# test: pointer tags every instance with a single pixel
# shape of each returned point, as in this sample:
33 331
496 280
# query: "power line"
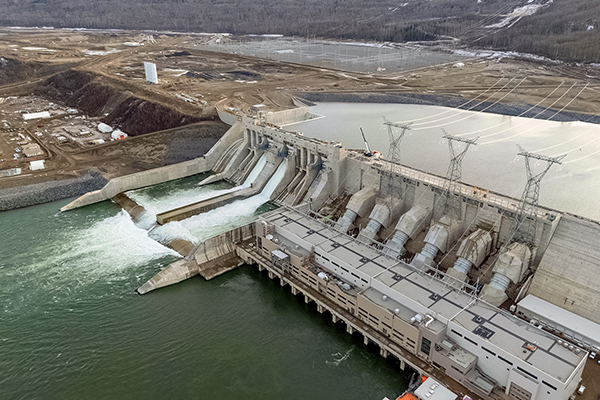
454 173
526 219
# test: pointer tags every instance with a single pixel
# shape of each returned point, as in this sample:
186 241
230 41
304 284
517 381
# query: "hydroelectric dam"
489 294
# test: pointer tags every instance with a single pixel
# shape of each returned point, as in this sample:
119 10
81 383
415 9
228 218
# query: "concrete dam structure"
437 273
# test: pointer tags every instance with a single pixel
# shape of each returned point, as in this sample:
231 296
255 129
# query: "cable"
479 111
451 109
520 115
584 157
469 109
527 130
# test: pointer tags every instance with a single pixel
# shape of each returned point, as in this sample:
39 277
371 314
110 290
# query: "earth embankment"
45 192
98 96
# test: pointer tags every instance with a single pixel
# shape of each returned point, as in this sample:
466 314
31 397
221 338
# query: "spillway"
179 197
229 216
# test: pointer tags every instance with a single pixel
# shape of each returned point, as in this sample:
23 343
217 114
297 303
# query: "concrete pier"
129 205
174 273
209 259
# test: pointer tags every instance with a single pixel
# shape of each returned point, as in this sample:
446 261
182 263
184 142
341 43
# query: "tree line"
559 30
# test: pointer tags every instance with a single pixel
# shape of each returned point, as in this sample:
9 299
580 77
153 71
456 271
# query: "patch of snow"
516 15
503 54
36 49
178 72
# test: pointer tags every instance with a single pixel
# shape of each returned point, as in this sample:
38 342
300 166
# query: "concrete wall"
567 271
160 175
222 244
286 117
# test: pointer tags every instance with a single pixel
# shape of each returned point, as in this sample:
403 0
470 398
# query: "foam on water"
181 197
173 230
176 198
76 257
235 214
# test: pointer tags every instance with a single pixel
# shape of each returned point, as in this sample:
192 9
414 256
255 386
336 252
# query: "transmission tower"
396 133
454 173
526 221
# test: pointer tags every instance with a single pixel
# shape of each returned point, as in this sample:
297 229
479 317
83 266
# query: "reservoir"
493 164
72 326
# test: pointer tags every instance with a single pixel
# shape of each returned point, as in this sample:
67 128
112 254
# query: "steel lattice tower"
454 173
394 186
526 220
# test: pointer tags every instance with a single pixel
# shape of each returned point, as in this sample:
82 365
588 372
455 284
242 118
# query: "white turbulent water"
182 197
76 257
231 215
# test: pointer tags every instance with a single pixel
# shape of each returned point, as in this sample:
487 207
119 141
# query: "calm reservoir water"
492 164
71 326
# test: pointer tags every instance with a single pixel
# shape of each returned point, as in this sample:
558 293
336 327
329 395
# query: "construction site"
487 293
98 77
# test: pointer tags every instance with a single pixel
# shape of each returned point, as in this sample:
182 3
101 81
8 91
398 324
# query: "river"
71 326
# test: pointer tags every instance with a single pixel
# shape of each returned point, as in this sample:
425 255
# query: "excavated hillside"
99 97
13 70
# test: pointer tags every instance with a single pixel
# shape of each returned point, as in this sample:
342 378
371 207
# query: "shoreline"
45 192
524 110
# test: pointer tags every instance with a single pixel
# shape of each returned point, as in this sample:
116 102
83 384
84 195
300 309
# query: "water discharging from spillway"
182 196
238 213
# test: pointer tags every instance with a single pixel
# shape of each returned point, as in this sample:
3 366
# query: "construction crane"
368 152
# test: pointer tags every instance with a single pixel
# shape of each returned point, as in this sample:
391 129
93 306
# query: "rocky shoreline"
45 192
449 101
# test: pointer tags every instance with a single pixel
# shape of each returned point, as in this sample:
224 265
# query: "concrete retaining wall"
160 175
201 259
228 118
286 117
222 244
174 273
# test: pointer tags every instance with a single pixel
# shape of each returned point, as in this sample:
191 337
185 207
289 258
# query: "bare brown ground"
242 81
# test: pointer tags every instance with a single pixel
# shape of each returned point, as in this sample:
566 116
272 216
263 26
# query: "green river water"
71 326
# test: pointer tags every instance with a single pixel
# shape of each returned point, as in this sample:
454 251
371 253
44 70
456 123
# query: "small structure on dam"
428 267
